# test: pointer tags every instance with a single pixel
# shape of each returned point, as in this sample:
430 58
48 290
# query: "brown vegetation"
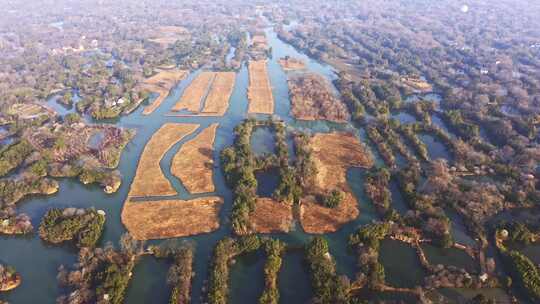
149 179
171 218
291 64
218 98
271 216
213 89
260 95
167 35
333 154
313 99
416 84
194 94
193 164
161 83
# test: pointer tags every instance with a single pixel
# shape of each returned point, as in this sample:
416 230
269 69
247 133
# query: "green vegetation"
382 146
82 226
273 249
526 273
12 156
327 285
101 275
456 122
333 199
376 187
180 275
370 235
239 164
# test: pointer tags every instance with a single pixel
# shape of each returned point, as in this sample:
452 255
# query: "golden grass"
149 179
193 164
260 95
171 218
271 216
417 84
333 154
27 110
218 85
194 94
220 93
161 83
291 64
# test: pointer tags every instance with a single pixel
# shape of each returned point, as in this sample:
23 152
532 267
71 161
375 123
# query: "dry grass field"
193 164
149 179
218 98
333 154
291 64
171 218
161 83
195 93
260 95
271 216
211 91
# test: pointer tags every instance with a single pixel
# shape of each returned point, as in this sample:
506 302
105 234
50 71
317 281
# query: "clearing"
193 164
171 218
161 83
260 95
333 154
149 179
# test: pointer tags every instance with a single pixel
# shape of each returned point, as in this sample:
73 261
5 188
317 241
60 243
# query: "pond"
293 280
247 278
95 140
435 148
404 118
401 264
267 182
263 141
437 121
149 289
398 201
450 257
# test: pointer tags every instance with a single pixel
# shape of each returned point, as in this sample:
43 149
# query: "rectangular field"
195 93
218 98
171 218
260 95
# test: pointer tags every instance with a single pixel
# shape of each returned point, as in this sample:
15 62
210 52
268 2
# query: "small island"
291 64
9 278
82 226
